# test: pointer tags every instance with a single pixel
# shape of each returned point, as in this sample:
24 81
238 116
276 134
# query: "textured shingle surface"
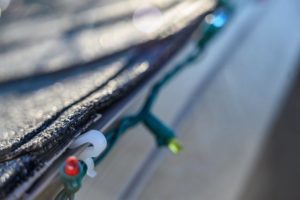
43 105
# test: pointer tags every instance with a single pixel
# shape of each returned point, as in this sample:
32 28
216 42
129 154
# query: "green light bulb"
174 146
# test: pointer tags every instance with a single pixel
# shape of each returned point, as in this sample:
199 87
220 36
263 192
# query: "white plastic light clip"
98 142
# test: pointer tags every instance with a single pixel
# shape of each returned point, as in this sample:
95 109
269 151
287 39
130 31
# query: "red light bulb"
71 166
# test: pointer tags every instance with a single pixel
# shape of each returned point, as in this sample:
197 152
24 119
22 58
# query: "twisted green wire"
210 30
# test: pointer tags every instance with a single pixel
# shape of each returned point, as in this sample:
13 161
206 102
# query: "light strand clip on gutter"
98 145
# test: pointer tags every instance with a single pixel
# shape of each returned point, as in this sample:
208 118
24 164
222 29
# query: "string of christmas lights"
73 170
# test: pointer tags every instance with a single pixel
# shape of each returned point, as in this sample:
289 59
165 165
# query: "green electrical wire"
164 135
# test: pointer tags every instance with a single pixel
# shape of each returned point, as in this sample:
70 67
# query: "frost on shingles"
14 172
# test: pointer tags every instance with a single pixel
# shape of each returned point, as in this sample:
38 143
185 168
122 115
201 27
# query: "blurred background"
240 131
